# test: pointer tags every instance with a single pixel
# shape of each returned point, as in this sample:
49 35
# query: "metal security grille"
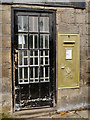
33 49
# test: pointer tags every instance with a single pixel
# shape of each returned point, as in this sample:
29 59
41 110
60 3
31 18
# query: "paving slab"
83 114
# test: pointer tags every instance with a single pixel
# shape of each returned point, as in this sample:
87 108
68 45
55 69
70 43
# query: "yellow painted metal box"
68 60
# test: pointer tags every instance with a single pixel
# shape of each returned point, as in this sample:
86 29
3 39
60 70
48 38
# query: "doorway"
33 58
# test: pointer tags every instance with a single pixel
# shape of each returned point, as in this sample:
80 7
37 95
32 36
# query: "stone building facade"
68 20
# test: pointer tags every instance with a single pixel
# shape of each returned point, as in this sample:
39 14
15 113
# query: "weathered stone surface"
78 11
83 40
58 18
83 53
6 41
0 57
67 28
83 72
88 52
1 72
6 56
0 85
66 10
6 85
87 18
89 67
89 7
0 42
6 29
0 29
83 29
6 7
84 114
6 71
80 18
0 16
0 7
0 103
68 18
6 16
88 29
71 101
89 40
6 97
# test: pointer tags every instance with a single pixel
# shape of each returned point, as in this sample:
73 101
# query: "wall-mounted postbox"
68 60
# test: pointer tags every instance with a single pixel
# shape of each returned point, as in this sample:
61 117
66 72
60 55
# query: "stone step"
45 111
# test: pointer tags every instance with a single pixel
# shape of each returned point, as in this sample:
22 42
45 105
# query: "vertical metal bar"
33 24
39 54
28 53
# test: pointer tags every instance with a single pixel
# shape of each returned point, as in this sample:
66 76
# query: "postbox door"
68 60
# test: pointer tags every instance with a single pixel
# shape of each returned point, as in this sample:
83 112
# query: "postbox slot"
69 42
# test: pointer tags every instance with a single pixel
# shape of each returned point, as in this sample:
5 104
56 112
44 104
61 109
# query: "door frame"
53 12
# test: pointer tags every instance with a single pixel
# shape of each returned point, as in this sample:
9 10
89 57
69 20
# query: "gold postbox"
68 60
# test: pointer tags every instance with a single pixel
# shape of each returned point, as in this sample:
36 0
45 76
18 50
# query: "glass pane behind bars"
44 41
33 41
33 24
22 41
44 24
23 58
22 23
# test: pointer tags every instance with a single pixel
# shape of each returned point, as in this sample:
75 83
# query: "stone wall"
75 21
6 85
0 60
68 20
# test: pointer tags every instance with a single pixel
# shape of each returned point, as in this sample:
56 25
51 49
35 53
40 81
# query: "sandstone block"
0 16
58 18
0 71
66 10
83 71
0 86
1 57
89 7
89 67
83 29
6 16
67 28
6 56
0 7
89 78
83 53
88 29
0 29
6 85
0 104
80 18
87 18
6 29
6 102
68 18
88 52
6 7
6 41
0 42
83 40
78 11
6 71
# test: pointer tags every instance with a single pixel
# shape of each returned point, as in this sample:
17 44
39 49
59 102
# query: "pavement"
69 114
34 114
